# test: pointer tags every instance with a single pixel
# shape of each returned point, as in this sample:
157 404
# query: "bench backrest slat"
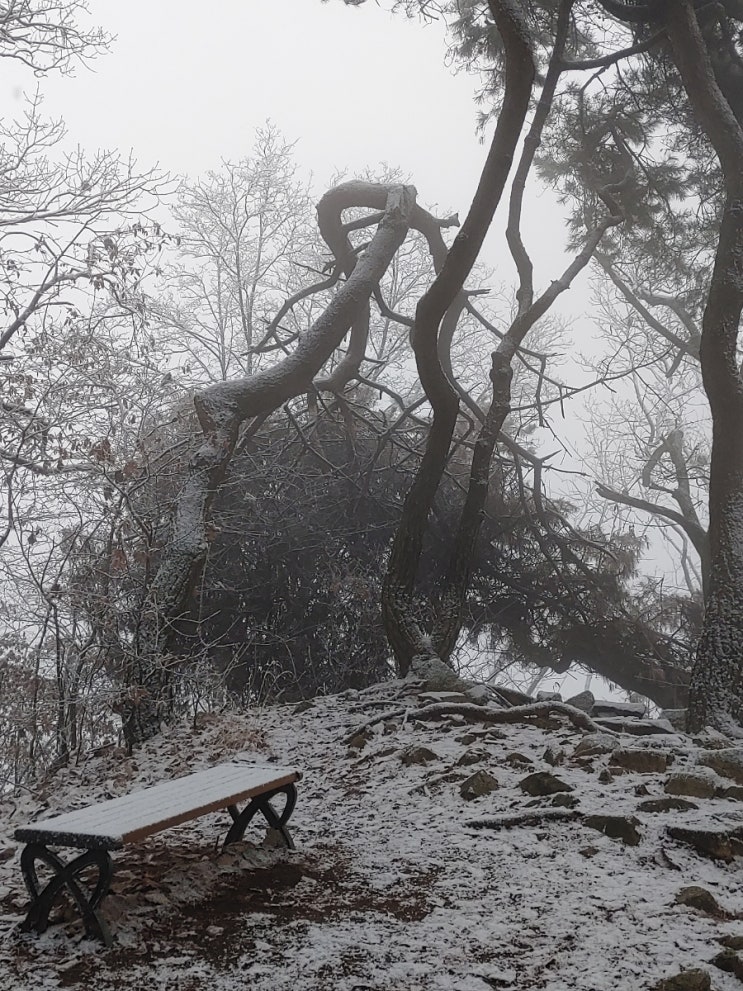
111 824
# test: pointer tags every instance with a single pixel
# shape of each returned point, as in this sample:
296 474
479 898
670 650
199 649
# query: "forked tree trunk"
406 637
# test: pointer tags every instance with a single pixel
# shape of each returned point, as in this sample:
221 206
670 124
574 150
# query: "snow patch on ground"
388 889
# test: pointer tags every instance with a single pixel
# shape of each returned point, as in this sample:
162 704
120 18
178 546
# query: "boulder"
728 762
719 844
482 695
685 980
583 700
729 961
553 755
641 761
732 942
543 783
417 755
474 755
594 744
696 784
622 828
666 805
636 727
702 900
477 785
516 759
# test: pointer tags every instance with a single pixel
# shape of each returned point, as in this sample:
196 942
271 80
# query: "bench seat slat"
110 824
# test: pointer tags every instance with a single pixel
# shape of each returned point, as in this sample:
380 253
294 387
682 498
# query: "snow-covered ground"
389 888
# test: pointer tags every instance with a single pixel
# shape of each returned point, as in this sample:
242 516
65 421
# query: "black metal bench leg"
262 804
65 876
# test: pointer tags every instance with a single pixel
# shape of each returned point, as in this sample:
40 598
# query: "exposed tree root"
482 714
531 818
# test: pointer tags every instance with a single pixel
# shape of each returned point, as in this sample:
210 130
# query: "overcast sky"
186 84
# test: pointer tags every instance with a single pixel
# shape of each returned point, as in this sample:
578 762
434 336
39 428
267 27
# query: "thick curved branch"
694 531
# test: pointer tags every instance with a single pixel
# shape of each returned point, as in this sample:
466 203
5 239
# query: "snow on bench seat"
109 825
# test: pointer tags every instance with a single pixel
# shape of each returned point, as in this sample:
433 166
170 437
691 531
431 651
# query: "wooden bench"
110 825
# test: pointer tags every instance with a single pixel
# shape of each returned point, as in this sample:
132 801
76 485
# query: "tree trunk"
221 409
716 690
403 632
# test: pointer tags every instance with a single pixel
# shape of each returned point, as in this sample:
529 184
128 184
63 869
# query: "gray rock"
627 710
641 761
594 744
728 762
622 828
666 805
474 755
481 695
702 900
543 783
719 844
637 727
549 697
732 942
516 759
417 755
553 755
729 961
478 784
583 700
696 784
734 792
685 980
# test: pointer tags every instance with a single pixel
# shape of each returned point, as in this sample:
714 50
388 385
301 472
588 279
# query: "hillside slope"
391 886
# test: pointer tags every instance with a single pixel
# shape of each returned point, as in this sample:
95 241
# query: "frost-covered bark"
716 692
